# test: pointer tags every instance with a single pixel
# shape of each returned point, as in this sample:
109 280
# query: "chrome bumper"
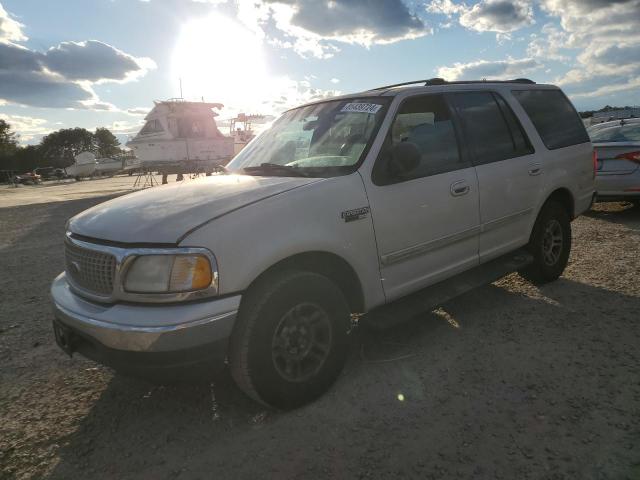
145 328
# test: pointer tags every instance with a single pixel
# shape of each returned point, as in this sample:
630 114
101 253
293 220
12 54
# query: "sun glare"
220 60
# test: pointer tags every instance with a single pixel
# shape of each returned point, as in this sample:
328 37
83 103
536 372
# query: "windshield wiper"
266 167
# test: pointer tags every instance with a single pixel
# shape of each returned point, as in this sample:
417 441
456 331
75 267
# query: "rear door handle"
459 188
535 169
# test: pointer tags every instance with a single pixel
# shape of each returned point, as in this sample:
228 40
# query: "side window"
426 122
521 143
493 130
152 126
554 117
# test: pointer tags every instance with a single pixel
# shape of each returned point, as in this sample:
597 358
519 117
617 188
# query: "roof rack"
441 81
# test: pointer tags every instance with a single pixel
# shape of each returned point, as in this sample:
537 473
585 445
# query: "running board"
431 297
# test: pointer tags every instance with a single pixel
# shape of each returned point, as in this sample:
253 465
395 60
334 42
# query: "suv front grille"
90 270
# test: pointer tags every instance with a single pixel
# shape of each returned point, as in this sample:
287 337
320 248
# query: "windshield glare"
616 133
323 139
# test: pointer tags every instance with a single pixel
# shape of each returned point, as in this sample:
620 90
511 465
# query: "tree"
26 159
59 148
107 144
8 140
8 145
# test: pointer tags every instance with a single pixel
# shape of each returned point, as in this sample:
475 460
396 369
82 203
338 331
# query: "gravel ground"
68 189
508 381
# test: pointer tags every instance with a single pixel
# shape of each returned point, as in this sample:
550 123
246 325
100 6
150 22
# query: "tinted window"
553 116
426 122
152 126
494 132
521 143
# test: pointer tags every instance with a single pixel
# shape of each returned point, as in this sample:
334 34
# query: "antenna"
180 79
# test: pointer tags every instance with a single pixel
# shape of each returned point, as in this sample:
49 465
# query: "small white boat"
84 165
182 137
108 166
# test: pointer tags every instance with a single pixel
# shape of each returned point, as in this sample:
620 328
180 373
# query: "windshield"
324 139
615 133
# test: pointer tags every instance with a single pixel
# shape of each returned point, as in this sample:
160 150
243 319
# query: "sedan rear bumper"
621 187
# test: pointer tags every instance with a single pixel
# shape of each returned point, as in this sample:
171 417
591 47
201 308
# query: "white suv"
380 203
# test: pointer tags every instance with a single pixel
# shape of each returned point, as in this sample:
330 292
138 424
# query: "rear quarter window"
554 117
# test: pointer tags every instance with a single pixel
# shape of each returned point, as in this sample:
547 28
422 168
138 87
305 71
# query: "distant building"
600 117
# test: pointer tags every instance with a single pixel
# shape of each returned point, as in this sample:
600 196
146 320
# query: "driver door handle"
535 169
459 188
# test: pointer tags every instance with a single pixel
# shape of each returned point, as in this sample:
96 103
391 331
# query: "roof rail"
441 81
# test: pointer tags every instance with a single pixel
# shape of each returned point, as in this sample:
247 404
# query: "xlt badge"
355 214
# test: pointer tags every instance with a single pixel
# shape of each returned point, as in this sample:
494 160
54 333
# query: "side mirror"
405 157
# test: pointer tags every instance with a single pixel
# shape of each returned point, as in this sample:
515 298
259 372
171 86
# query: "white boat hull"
159 152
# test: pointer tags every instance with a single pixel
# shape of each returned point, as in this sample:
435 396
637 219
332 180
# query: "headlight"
171 274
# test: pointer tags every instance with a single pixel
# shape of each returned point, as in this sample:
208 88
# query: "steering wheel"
350 141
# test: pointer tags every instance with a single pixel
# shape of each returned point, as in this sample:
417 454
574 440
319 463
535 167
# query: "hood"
164 214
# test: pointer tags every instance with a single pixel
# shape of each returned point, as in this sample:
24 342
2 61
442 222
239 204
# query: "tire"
550 244
291 339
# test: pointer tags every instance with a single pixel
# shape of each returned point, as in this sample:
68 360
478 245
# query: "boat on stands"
181 137
241 129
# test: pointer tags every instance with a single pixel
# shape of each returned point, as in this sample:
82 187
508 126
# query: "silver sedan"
616 149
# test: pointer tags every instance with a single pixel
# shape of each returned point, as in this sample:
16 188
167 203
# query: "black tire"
549 259
291 339
636 203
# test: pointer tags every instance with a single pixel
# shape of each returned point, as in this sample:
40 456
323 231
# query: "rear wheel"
291 339
550 244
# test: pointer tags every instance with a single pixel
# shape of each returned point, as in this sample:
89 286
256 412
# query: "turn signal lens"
190 273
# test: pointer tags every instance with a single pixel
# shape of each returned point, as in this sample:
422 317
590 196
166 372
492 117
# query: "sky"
102 63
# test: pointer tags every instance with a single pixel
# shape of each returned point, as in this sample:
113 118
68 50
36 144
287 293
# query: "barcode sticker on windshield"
361 108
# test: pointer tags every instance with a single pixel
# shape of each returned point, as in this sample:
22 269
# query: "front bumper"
138 337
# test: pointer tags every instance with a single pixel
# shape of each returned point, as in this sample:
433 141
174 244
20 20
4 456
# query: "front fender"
308 219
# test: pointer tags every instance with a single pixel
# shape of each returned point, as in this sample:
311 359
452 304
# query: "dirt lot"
68 189
508 381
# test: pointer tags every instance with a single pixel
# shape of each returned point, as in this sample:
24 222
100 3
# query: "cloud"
598 20
495 70
355 21
39 89
63 76
17 58
501 16
445 7
94 61
27 127
138 111
607 35
291 93
10 29
311 27
548 44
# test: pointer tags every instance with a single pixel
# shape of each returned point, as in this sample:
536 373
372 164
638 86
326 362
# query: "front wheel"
291 339
550 244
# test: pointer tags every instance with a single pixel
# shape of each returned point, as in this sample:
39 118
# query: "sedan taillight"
631 156
595 162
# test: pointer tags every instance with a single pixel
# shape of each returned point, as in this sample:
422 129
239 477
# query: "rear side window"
554 117
493 130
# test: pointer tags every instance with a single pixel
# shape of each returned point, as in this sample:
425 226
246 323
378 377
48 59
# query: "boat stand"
146 179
